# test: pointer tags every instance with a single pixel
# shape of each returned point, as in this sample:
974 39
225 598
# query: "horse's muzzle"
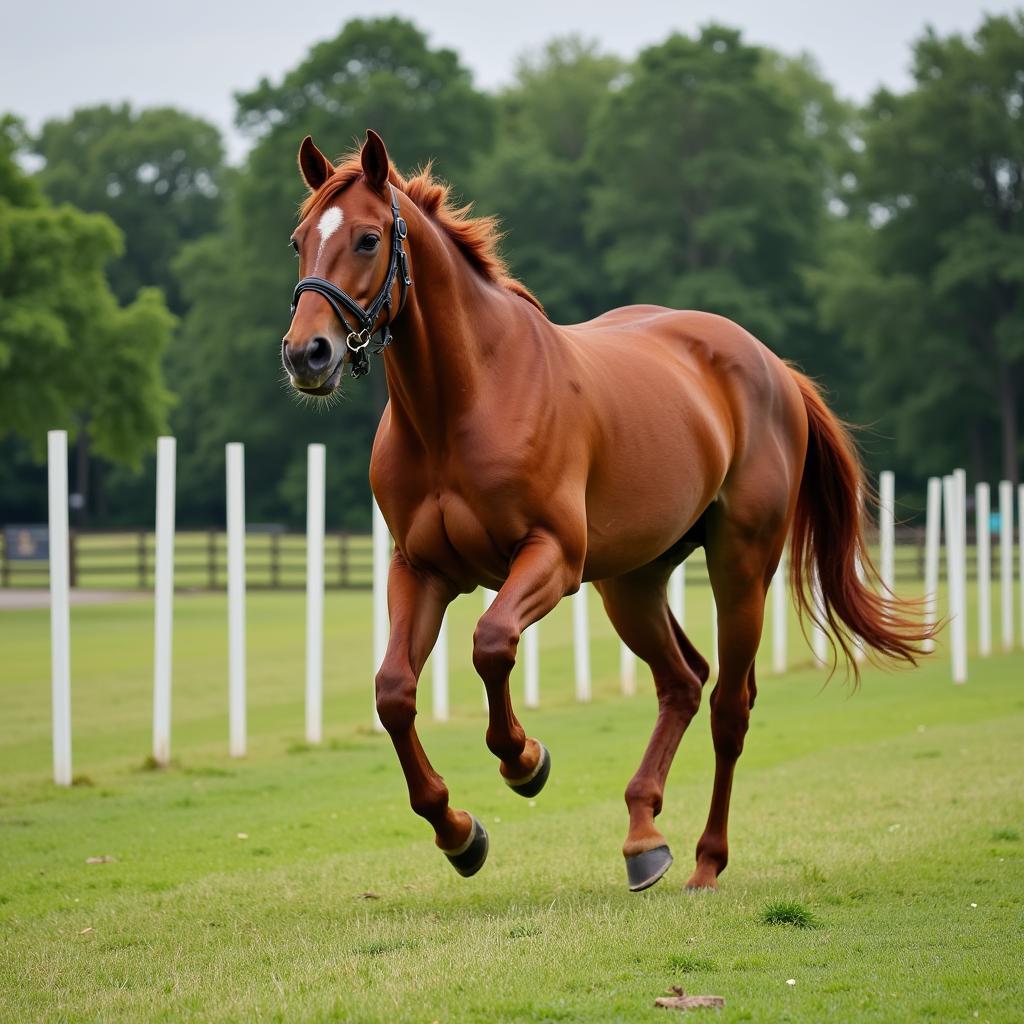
313 367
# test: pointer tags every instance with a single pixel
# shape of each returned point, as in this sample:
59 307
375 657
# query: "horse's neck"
440 363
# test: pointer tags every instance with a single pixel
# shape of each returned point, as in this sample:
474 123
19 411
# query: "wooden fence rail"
276 560
125 560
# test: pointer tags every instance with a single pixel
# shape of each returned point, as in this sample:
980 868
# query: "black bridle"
359 337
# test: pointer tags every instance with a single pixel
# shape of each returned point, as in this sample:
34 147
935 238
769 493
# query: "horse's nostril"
285 357
319 353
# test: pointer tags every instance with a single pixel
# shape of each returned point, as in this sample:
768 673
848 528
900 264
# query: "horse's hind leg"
639 611
741 562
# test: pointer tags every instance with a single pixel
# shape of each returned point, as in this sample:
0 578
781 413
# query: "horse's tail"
828 547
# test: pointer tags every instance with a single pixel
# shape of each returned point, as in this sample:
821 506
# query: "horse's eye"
369 243
294 245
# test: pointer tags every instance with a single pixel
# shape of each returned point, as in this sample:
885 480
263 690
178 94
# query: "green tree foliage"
156 173
831 125
929 282
832 128
226 365
69 355
537 177
710 192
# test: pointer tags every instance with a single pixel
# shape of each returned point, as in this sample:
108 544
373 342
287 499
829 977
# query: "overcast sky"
59 54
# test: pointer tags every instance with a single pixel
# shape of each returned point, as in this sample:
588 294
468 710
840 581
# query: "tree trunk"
99 491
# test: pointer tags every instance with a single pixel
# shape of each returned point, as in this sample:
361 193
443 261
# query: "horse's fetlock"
713 848
507 746
430 801
644 792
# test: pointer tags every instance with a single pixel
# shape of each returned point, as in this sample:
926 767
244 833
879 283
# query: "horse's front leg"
538 578
416 605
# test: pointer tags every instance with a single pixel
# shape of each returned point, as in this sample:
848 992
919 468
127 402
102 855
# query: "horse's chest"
446 533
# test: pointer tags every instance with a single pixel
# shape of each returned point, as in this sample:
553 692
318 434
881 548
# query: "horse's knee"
713 847
396 698
494 648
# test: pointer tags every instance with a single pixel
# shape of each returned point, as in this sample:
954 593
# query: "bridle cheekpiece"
359 337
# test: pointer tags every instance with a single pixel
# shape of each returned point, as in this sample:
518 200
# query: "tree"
931 287
537 177
226 365
709 190
156 173
69 355
833 130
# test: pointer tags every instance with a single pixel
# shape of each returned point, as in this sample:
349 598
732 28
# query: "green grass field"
297 885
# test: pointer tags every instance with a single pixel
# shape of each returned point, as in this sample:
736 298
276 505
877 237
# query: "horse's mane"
477 238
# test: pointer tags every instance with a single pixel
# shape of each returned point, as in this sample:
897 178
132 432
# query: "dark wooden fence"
277 560
124 561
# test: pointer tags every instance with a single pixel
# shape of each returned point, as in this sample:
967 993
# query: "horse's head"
351 266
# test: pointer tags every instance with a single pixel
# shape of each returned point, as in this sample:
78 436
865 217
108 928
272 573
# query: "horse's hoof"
644 869
534 782
470 857
703 879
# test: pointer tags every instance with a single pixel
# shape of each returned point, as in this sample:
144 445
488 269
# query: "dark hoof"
644 869
533 784
470 858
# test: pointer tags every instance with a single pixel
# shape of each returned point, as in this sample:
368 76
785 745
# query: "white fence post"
1006 561
316 470
531 644
982 501
954 556
381 561
960 476
932 543
439 672
1020 553
858 641
819 638
163 600
60 623
236 598
714 633
581 643
489 596
677 593
627 670
887 528
780 615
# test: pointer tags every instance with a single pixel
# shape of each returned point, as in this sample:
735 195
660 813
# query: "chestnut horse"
514 454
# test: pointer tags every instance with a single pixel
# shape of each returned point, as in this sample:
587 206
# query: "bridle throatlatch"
359 337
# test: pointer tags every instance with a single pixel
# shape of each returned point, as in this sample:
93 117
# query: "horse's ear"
315 167
374 158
